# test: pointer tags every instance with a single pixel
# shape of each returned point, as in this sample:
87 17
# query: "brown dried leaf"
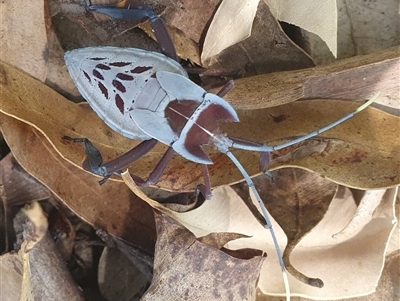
218 240
298 201
318 254
19 186
115 271
364 148
19 46
343 79
348 154
111 207
185 267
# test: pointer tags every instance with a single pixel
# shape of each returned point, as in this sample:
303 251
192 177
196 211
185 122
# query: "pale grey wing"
180 87
112 78
156 126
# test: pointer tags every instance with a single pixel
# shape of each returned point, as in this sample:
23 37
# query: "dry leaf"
18 185
231 24
111 207
319 17
354 143
51 280
190 269
118 277
11 265
369 202
17 285
35 214
367 26
343 79
298 201
268 49
19 46
15 269
317 255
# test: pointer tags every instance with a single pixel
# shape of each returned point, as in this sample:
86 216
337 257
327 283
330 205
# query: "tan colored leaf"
298 201
267 49
11 269
15 269
231 24
19 46
350 153
218 240
318 254
111 207
35 214
185 267
370 146
319 17
369 202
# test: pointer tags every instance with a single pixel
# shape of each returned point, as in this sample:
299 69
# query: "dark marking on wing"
103 90
119 103
123 76
87 76
140 69
119 64
120 87
97 74
97 58
210 115
103 67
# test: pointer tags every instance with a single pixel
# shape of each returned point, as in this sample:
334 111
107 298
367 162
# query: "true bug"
148 96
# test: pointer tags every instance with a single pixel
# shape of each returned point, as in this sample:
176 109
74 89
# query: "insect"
147 96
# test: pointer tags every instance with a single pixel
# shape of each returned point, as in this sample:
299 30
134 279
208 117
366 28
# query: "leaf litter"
49 147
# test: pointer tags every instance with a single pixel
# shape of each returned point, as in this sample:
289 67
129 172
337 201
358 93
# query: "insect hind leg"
125 11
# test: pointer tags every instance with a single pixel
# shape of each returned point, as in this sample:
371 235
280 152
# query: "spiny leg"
125 11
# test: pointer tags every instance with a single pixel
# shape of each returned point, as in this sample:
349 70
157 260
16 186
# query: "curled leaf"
317 254
111 207
231 24
186 267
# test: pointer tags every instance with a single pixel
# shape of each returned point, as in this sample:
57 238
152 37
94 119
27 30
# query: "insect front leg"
93 162
125 11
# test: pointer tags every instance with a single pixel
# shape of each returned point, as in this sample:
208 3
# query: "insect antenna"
223 148
251 146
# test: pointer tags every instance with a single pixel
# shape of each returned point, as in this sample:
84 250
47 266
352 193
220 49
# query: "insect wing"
180 87
164 106
111 79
